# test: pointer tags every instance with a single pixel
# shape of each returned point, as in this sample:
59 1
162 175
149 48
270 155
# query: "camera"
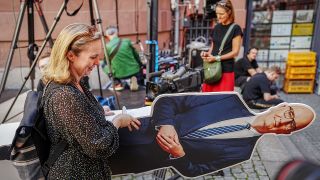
183 80
299 169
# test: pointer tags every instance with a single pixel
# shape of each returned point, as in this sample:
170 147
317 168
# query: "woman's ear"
71 56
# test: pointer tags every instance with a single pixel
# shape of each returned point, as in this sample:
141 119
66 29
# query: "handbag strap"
225 38
114 52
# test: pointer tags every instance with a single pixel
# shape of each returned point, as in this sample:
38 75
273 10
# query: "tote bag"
213 70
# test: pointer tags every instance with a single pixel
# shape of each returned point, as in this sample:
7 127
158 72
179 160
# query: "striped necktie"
217 131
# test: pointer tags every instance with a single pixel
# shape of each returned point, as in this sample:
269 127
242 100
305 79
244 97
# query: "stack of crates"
300 72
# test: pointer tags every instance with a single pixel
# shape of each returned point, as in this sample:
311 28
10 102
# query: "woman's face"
222 15
83 63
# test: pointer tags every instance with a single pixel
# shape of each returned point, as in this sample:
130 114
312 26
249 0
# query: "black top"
40 85
256 86
242 66
218 34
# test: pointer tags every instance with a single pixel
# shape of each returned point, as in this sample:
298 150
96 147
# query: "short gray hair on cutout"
111 30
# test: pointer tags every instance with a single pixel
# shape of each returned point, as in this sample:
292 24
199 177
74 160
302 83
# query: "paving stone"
129 177
248 170
236 170
219 178
209 177
147 177
261 172
201 178
252 175
259 167
116 178
264 178
141 177
227 170
258 163
247 166
240 175
253 178
255 158
228 175
229 178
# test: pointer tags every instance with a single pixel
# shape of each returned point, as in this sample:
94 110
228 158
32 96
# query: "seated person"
258 92
246 67
125 61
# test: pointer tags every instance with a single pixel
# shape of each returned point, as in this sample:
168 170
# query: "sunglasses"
288 114
223 4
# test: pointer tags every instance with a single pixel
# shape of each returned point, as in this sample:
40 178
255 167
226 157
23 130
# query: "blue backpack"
30 146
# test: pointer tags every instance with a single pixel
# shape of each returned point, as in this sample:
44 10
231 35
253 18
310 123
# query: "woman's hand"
209 58
170 145
107 111
125 120
204 54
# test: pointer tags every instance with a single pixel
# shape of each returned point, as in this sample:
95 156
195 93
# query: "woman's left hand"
125 120
107 111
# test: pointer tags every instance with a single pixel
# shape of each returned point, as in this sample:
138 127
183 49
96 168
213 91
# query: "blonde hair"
228 7
73 37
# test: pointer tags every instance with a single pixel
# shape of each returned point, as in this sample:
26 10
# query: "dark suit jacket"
139 151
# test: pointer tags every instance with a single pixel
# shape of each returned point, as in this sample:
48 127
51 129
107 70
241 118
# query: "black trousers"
263 104
138 75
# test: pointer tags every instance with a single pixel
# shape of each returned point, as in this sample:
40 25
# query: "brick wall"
9 11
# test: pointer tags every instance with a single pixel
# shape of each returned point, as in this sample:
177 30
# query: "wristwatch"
218 58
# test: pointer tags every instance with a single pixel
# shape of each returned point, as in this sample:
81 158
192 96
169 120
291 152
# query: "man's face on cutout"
285 119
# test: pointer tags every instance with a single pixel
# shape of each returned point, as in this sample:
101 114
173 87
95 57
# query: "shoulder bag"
213 71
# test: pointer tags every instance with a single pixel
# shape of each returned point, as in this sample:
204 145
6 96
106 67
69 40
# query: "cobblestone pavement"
308 140
252 170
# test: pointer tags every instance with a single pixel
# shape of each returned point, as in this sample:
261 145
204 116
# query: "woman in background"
225 15
72 113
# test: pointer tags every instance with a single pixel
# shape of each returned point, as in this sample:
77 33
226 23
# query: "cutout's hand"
168 131
171 146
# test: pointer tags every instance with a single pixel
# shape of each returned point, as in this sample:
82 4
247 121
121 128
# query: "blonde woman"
225 15
71 111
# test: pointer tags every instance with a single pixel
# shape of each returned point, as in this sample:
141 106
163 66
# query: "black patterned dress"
79 119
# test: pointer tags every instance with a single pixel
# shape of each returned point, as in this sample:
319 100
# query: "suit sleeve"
167 107
189 169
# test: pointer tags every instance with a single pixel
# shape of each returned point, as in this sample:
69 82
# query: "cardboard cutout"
142 150
167 137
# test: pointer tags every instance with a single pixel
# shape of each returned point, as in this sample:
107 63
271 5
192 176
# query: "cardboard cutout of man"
178 133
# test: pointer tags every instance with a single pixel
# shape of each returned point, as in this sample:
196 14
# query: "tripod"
32 47
48 36
13 46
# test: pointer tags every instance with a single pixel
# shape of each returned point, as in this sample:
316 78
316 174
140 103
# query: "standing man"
258 93
125 62
246 67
